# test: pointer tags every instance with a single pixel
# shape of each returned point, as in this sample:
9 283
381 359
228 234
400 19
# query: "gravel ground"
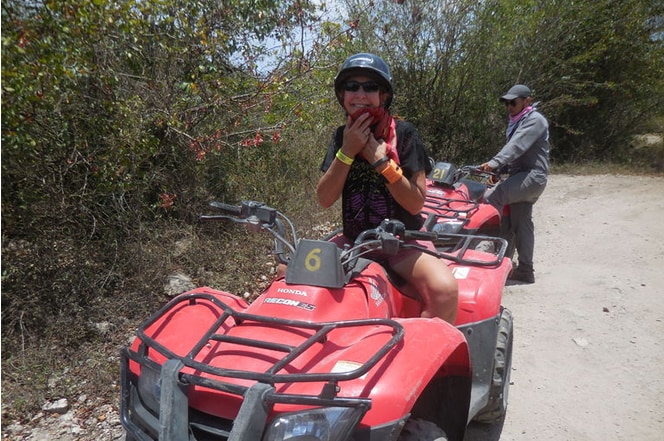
588 355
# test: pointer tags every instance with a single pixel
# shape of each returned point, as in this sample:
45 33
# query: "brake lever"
390 243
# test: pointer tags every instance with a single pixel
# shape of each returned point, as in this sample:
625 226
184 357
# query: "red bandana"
383 127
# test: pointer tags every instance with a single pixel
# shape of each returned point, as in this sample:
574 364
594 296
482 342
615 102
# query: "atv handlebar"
474 172
226 208
258 217
249 212
447 175
388 238
391 236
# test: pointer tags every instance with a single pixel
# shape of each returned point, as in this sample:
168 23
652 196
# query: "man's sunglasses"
368 86
510 102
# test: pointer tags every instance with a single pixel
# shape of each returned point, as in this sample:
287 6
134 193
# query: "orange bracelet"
392 173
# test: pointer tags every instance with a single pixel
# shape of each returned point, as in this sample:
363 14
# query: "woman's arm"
409 193
355 136
331 183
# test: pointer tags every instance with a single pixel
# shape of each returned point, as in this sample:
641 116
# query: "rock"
102 327
580 341
60 406
182 247
14 428
177 284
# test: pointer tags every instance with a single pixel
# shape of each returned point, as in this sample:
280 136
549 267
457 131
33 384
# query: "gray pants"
520 191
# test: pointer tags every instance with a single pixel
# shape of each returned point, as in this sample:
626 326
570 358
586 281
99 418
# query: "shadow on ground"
484 432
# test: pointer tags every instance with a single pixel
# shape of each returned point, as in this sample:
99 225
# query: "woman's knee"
438 278
444 289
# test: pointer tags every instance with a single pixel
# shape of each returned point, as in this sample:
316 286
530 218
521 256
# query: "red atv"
455 203
455 200
333 350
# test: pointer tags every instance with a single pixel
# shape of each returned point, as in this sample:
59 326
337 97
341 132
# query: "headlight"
325 424
149 388
448 227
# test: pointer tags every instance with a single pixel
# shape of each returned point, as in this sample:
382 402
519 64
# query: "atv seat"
395 278
475 189
401 284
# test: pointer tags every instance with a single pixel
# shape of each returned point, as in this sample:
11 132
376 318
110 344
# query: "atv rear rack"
463 249
272 376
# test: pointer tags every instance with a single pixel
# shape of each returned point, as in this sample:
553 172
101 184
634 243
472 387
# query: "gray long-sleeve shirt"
527 148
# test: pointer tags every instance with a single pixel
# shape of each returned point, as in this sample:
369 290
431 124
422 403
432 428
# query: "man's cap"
517 91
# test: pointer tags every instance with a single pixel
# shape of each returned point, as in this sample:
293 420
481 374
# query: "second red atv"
455 201
333 350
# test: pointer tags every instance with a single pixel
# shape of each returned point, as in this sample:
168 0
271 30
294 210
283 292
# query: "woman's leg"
433 279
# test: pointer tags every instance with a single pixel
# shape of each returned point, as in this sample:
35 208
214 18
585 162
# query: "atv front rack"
273 375
174 382
439 207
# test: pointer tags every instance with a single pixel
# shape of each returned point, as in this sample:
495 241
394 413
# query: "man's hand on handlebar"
493 177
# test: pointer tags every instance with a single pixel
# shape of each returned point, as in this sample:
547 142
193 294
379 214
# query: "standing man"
525 157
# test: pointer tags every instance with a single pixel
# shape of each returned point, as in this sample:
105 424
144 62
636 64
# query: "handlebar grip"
227 208
420 235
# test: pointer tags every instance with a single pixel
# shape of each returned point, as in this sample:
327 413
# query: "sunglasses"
368 86
510 103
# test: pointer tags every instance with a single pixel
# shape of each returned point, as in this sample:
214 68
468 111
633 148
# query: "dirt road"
589 334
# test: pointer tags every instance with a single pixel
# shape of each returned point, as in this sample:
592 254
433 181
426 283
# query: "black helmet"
365 64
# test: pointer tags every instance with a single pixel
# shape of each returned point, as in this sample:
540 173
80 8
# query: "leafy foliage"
588 62
120 115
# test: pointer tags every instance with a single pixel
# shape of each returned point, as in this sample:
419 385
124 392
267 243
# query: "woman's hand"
374 149
356 134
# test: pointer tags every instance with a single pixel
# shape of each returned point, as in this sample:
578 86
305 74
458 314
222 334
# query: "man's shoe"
523 274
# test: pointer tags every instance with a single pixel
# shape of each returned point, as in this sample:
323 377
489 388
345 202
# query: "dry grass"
71 348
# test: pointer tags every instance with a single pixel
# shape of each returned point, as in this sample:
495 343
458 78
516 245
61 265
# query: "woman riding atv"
378 166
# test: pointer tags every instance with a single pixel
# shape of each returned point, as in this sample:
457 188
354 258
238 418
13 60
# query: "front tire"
502 367
421 430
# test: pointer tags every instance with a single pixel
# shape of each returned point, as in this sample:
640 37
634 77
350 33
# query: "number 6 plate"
316 262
